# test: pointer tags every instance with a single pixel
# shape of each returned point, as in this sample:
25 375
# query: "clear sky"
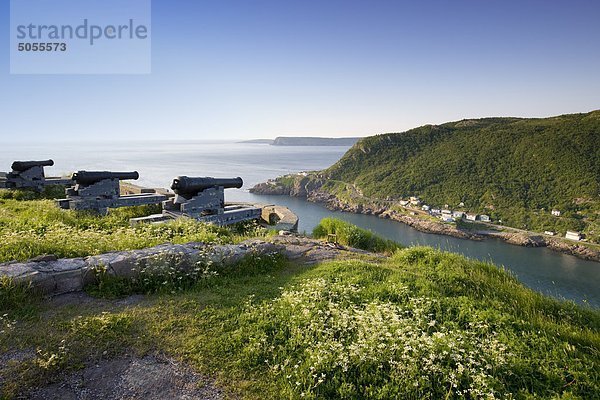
258 69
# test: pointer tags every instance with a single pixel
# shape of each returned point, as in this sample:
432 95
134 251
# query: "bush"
351 235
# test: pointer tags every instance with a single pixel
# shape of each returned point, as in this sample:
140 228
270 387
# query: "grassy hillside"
517 170
420 324
31 226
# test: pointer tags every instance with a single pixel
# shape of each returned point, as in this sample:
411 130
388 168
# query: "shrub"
351 235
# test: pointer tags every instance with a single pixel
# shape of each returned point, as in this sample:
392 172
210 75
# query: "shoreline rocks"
310 189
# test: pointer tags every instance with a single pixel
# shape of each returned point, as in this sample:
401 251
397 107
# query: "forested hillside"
515 169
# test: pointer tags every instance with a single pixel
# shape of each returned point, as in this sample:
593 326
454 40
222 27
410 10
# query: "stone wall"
55 276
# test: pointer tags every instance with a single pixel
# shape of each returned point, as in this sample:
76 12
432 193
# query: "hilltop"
517 170
304 320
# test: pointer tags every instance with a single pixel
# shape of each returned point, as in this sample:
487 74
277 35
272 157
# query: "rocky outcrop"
270 188
522 239
574 249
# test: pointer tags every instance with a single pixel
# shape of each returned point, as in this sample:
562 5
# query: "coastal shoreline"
311 191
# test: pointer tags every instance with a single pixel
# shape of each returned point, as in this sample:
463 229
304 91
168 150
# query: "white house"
403 202
461 204
472 217
447 218
484 218
556 213
458 214
573 235
436 211
425 207
549 233
446 212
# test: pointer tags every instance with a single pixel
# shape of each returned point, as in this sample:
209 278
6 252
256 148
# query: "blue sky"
253 69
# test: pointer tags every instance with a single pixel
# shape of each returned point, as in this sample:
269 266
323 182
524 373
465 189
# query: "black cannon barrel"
21 166
186 184
89 177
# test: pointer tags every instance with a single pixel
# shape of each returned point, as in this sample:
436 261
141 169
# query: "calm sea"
158 163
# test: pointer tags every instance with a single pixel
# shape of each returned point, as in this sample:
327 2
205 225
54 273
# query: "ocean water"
553 273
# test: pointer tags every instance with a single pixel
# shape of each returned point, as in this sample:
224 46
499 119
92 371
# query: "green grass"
35 227
421 324
351 235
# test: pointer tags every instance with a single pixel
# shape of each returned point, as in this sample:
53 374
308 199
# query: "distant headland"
306 141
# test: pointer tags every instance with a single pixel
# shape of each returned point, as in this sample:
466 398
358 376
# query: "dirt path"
148 378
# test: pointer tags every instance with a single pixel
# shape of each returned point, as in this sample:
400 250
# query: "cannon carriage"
100 190
30 175
203 199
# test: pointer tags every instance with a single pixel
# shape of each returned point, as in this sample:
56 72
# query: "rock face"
270 189
55 276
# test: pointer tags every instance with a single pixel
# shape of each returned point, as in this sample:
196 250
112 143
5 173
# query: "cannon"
100 190
203 199
30 175
89 177
22 166
185 186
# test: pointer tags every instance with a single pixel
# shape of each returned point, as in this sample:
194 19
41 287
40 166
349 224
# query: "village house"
425 207
549 233
403 202
556 213
461 204
436 211
458 214
573 235
472 217
484 218
446 218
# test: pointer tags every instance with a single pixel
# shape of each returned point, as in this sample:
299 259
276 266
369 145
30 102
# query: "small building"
413 198
573 235
446 218
556 213
436 211
549 233
425 207
484 218
472 217
461 204
447 212
458 214
403 202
